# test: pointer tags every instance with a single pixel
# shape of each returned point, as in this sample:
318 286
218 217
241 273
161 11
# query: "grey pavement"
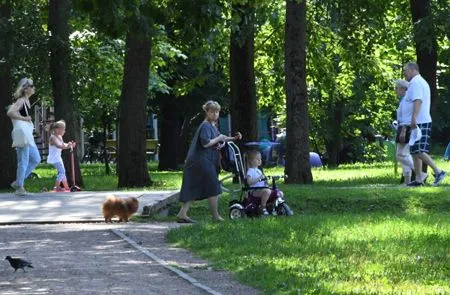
85 206
74 255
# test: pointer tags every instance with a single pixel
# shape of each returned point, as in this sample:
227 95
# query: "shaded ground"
91 259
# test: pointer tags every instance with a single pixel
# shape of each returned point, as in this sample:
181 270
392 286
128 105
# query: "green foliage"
30 53
97 69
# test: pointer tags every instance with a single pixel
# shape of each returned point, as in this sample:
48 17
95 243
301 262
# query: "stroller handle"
276 177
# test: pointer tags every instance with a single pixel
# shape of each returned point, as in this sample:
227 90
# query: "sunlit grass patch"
329 254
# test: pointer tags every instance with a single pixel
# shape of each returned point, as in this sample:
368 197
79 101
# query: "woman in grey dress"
200 180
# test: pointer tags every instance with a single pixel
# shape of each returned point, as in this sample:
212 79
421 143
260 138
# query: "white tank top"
54 153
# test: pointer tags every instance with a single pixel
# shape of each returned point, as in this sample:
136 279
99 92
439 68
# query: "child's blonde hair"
24 82
251 155
58 124
211 105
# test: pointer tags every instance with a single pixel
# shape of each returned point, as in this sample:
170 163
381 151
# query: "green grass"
355 231
330 253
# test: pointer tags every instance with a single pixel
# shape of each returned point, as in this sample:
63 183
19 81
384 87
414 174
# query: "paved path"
98 258
71 207
86 258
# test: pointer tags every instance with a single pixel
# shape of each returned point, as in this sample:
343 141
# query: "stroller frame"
246 204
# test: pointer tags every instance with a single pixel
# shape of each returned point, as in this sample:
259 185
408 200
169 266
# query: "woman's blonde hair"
211 105
23 83
58 124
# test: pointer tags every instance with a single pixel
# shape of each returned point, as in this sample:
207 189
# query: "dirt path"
105 259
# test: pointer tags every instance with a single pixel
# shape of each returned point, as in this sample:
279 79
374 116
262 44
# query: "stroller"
248 205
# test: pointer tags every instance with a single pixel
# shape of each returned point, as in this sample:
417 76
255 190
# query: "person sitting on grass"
55 147
256 179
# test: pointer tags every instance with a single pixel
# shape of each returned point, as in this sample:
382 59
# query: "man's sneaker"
21 192
14 185
265 213
414 184
438 178
424 177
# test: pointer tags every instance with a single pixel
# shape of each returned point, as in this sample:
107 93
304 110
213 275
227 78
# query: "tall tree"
59 31
8 160
297 134
426 45
242 74
135 19
132 164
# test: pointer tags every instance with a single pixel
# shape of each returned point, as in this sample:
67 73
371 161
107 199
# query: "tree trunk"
8 158
58 25
170 134
334 139
426 48
426 45
186 127
297 133
132 169
242 76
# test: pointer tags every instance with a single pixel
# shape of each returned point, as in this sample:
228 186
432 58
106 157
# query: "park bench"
152 148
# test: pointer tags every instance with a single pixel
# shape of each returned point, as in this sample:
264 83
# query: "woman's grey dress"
200 179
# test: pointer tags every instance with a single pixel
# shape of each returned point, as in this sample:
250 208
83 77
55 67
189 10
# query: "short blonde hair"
251 154
211 105
23 83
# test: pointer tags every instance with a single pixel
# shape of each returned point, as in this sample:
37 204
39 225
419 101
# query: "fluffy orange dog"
123 208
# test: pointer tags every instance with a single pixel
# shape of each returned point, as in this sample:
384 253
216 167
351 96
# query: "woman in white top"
22 135
404 113
55 147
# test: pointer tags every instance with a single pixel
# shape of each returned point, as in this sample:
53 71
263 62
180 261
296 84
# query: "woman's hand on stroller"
220 145
224 138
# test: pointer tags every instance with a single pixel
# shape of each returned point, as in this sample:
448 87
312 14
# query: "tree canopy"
197 51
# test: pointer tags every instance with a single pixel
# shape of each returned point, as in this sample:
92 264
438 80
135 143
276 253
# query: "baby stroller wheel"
236 213
284 210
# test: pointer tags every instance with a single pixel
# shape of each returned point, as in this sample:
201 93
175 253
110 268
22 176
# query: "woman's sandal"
185 220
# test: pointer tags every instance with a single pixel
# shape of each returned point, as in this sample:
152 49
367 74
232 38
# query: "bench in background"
152 147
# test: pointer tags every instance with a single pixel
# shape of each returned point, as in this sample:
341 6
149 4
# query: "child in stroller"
256 196
257 181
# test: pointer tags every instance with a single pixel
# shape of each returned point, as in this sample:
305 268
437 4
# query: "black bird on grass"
17 263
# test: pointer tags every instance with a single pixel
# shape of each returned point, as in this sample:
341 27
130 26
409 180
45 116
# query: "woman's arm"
14 111
223 138
215 141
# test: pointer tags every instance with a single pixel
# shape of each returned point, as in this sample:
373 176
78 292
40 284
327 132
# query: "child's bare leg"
65 184
265 197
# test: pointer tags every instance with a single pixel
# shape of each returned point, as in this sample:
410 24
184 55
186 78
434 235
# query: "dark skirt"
200 181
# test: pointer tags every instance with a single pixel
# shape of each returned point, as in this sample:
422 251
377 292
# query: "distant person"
404 113
55 147
22 135
200 179
419 94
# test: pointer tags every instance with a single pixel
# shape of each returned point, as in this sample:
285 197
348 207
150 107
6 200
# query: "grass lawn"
355 231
